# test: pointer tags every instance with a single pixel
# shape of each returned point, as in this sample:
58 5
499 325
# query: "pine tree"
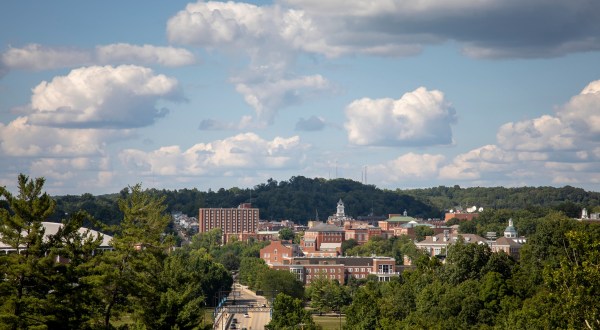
24 289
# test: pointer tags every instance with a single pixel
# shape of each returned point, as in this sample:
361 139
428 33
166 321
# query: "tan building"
238 222
438 244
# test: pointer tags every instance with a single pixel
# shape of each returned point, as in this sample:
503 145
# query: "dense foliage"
62 280
567 199
554 285
299 199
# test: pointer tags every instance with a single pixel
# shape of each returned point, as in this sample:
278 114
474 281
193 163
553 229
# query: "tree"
289 313
71 298
24 287
327 295
129 274
364 310
349 244
274 281
188 280
422 231
286 234
575 285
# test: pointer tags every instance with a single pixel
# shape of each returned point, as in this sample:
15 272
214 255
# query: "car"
233 326
234 320
246 315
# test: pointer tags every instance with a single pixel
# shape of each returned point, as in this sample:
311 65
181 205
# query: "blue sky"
96 96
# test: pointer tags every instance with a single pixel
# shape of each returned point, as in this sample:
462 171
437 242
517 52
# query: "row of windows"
333 277
356 270
324 270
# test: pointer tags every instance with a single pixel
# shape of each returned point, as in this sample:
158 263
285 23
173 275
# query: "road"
241 301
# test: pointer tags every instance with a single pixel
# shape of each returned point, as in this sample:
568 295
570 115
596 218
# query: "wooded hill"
300 199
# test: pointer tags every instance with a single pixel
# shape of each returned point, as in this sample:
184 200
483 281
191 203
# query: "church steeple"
340 209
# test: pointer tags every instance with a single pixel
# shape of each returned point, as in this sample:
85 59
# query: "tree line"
301 199
63 280
567 199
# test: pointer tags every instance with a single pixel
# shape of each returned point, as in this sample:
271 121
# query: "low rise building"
341 269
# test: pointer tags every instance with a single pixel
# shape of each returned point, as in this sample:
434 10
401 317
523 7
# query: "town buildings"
241 222
510 243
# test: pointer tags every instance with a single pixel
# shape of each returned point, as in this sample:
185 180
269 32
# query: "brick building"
340 268
279 252
239 222
322 240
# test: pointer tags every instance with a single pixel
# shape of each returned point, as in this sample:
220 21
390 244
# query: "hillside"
300 199
567 199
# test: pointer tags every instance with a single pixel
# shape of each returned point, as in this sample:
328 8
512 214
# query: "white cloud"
36 57
268 96
20 138
240 152
144 55
408 167
418 118
102 97
539 134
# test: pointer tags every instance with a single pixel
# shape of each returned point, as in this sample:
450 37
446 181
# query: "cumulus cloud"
36 57
102 97
268 36
245 151
418 118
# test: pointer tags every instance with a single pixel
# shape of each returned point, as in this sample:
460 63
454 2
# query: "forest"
301 199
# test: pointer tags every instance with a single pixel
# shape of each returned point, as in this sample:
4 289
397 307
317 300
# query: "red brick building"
322 240
279 252
340 268
232 221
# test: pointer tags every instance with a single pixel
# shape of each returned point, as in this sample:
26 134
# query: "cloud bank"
558 149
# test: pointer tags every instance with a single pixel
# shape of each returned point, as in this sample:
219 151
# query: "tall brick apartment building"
240 222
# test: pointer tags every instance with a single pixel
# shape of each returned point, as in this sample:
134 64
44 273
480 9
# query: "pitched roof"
400 218
51 228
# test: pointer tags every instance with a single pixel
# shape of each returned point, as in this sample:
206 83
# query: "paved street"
241 301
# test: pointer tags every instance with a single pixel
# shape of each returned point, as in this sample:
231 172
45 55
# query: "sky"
96 96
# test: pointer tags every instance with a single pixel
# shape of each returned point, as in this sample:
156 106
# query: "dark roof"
325 227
